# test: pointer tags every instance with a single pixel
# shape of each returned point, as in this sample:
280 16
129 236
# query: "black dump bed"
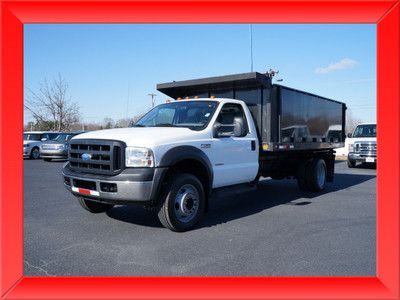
286 119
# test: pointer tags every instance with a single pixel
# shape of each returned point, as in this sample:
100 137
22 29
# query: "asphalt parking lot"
275 230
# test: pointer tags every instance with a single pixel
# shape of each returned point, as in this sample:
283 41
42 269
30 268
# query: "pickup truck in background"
176 155
362 145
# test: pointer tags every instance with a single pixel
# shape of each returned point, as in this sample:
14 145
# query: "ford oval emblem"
86 156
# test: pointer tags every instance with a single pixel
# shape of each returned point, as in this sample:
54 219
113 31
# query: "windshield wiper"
165 125
137 125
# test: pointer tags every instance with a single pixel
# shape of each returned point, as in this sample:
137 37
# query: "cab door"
234 158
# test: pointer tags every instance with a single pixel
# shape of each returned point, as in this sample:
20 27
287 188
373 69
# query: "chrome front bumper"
133 185
365 157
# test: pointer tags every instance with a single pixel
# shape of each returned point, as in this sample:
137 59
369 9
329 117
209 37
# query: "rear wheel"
35 153
93 206
301 176
316 175
183 203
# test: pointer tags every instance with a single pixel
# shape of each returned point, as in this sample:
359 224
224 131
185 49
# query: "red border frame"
385 13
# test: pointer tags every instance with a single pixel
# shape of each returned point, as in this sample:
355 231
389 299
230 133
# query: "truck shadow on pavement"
243 202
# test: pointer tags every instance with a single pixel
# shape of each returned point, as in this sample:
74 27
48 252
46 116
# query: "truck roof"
40 132
211 99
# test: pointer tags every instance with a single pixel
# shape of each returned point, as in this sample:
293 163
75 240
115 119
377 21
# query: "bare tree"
50 105
351 121
108 123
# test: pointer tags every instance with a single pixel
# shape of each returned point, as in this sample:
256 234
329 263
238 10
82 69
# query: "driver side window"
229 117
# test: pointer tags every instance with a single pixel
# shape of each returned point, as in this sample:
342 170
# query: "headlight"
26 145
138 157
351 147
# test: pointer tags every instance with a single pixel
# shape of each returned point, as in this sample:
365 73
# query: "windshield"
194 115
32 136
365 131
63 137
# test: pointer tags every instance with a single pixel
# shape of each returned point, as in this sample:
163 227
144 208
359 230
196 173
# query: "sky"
111 69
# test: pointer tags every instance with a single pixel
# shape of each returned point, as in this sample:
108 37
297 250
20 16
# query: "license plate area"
85 187
84 184
370 159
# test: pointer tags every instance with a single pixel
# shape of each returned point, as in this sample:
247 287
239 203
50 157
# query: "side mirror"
43 139
349 135
238 127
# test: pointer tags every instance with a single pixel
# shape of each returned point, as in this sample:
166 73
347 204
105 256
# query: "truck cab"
362 145
192 146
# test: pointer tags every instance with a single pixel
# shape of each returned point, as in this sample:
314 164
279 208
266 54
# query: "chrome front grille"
96 156
367 149
50 146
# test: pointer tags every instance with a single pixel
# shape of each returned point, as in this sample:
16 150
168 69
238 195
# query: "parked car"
362 145
57 148
176 155
33 140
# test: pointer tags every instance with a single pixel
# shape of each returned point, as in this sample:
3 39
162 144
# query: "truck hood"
53 143
31 142
361 139
139 136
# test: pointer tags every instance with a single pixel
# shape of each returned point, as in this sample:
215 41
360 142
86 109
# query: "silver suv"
33 140
57 148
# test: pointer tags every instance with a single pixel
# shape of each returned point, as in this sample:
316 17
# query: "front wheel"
35 153
93 206
183 203
351 163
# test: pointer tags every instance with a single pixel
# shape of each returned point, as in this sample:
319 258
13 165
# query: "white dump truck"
218 132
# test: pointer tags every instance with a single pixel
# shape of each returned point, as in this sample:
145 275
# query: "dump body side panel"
308 118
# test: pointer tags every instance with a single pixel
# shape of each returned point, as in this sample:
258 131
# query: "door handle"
253 145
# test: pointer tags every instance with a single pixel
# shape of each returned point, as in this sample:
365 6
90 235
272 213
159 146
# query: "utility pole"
152 95
251 47
127 103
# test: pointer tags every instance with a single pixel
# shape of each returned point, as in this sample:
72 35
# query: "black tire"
302 176
47 159
185 189
93 206
35 153
351 163
316 175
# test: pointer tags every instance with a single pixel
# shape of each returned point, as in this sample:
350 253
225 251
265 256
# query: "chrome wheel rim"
321 175
186 203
